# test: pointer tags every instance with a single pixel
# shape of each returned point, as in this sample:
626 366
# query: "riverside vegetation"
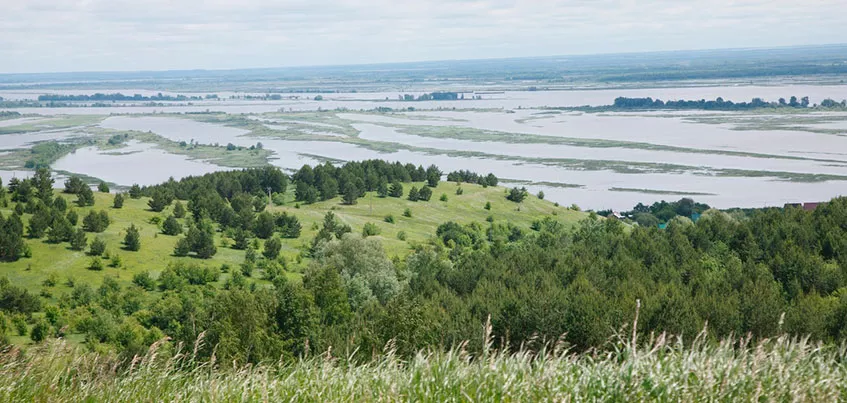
346 286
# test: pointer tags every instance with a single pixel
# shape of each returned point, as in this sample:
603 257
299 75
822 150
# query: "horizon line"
341 65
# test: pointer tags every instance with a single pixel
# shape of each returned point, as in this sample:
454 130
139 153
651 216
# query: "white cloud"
42 35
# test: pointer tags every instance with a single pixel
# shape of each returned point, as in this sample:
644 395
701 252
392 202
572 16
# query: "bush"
389 219
40 331
96 264
103 187
443 197
401 235
78 240
414 194
272 248
19 322
517 195
407 213
171 226
425 193
459 191
96 247
144 280
488 205
370 229
541 194
119 201
182 247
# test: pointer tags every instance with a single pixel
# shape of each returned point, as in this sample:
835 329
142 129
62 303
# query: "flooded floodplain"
596 160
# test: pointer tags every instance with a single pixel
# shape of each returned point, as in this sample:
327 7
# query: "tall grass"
665 369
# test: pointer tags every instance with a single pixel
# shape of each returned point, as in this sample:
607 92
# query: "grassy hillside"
157 249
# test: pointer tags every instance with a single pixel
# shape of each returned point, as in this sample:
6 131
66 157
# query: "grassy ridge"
157 249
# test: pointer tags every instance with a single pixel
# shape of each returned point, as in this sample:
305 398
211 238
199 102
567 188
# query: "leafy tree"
171 226
132 239
272 248
103 187
330 296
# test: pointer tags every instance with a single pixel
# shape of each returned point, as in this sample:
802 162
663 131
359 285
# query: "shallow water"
136 163
177 129
26 140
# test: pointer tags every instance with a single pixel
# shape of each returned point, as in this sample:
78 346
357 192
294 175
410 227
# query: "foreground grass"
780 369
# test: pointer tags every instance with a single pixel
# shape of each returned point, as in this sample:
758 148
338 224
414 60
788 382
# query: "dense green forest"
776 270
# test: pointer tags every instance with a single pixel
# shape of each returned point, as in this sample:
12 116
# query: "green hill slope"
58 261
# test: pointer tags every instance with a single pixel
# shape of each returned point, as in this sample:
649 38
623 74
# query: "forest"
770 272
719 104
100 97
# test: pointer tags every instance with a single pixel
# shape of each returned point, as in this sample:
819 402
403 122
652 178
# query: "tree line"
718 104
100 97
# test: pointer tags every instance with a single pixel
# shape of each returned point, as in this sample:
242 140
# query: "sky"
120 35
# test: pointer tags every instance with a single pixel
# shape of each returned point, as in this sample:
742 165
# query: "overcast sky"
96 35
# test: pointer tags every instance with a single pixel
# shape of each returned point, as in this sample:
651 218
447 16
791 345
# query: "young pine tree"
132 239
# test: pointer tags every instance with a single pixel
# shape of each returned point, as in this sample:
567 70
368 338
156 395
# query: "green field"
157 249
